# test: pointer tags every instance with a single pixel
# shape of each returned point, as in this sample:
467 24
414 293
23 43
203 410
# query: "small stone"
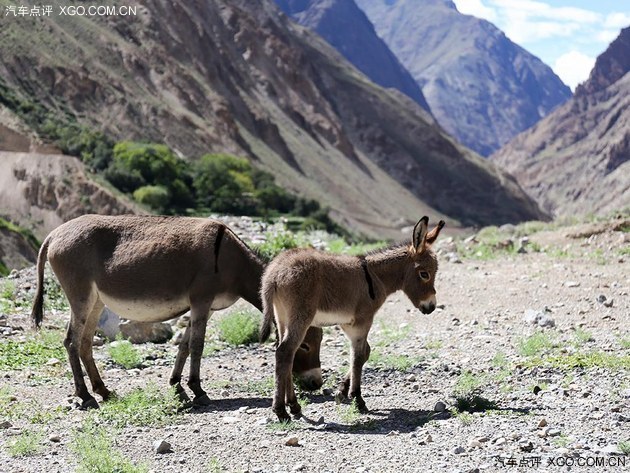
161 446
601 298
609 303
542 423
263 421
393 433
500 441
439 407
292 442
54 438
299 467
411 378
553 432
53 362
320 420
474 443
525 446
98 341
5 424
544 432
572 284
458 450
483 439
327 392
426 439
231 419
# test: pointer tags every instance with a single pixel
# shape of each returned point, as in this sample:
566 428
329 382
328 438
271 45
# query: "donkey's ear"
433 234
420 233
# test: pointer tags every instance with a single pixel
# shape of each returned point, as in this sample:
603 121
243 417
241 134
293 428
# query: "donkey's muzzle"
310 380
428 307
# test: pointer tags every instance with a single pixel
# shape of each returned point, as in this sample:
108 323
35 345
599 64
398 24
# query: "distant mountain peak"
610 66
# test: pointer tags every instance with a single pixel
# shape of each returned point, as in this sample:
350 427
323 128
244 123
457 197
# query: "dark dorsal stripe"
217 246
368 278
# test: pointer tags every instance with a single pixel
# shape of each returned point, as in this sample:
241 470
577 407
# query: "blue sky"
568 35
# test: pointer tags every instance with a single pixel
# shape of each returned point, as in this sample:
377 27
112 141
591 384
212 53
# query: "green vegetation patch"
148 406
467 393
27 443
591 359
123 353
535 344
95 451
33 352
240 327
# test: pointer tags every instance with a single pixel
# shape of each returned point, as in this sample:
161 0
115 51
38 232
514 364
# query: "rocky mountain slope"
344 25
577 160
239 77
41 191
481 87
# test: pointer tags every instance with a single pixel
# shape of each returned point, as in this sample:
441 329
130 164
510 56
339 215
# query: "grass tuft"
535 344
141 407
240 327
95 452
123 353
28 443
467 394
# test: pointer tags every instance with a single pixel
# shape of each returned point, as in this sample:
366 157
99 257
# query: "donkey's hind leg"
285 354
176 374
199 314
360 354
82 300
85 351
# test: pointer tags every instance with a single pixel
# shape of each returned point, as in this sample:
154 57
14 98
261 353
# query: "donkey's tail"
38 304
268 317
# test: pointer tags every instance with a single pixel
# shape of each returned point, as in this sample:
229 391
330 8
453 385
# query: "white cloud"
476 8
617 20
573 67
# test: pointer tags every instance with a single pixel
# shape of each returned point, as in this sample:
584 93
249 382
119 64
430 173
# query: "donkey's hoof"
109 396
282 414
296 410
183 397
89 404
202 400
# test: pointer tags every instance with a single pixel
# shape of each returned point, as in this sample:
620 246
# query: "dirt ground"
553 395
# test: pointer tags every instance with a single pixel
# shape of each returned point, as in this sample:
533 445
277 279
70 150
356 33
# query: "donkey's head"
306 365
422 266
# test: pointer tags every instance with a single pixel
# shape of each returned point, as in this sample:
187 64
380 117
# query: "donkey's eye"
424 275
305 347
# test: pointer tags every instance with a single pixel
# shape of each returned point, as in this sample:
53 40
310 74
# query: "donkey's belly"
146 310
326 319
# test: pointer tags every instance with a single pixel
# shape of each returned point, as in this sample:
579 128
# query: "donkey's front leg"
198 319
284 382
360 354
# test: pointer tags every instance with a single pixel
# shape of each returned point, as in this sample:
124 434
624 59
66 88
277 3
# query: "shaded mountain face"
344 26
239 77
481 87
577 160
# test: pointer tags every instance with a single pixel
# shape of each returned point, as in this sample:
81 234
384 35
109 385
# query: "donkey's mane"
252 251
387 250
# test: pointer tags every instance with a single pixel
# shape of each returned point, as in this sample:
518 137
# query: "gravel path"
559 401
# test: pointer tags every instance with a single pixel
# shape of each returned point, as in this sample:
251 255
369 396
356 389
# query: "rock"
263 421
500 441
474 443
439 407
544 432
538 317
458 450
5 424
327 392
553 432
139 332
572 284
525 446
161 446
53 362
292 442
320 420
231 419
98 341
601 298
54 438
542 423
108 324
411 378
483 439
426 439
299 467
609 303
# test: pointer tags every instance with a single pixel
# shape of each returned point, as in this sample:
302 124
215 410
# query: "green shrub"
123 353
240 327
276 243
156 197
25 444
33 352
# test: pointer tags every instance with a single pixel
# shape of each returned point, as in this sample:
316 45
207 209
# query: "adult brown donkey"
303 288
150 269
